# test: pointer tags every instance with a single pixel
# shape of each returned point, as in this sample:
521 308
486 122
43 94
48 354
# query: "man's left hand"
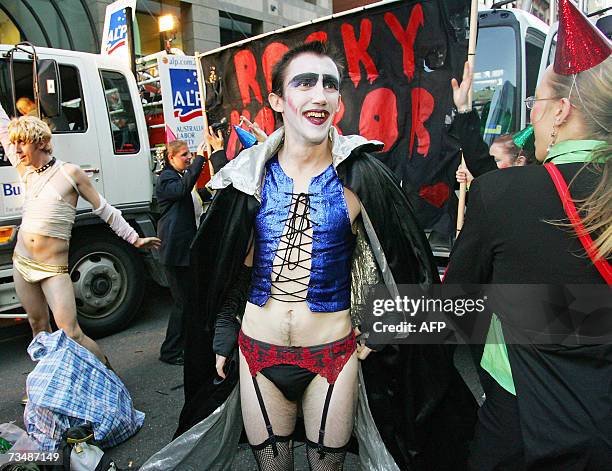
147 243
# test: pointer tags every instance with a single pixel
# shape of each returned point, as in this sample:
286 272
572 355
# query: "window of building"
121 114
236 28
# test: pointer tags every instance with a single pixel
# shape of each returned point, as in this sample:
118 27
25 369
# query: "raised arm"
466 127
112 216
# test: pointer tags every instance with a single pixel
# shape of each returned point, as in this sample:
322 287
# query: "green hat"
525 139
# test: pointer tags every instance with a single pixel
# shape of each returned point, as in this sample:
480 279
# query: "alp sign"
117 34
181 97
115 37
185 94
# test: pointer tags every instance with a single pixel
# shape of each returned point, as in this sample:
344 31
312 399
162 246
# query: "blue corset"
329 286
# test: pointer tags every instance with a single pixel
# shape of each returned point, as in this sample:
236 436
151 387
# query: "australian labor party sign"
115 34
181 98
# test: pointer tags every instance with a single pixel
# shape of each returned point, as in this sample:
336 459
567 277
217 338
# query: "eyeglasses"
530 101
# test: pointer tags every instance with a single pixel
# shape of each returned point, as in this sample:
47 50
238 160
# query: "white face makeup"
311 98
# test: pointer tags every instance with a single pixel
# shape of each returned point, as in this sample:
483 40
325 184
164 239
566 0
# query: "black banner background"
398 61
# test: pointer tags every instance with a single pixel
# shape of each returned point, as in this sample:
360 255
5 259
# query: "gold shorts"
33 271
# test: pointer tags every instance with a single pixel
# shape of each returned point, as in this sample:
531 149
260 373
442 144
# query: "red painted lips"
316 117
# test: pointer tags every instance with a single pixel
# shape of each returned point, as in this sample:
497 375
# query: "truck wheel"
108 279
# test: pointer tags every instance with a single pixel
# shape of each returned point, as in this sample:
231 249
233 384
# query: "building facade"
202 24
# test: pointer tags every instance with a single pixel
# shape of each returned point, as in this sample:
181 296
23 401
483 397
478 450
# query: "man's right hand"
215 140
254 127
461 92
220 363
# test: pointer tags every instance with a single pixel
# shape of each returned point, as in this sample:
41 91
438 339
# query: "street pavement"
156 388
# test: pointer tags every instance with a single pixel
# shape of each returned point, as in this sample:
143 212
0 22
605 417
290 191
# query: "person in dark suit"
547 405
177 227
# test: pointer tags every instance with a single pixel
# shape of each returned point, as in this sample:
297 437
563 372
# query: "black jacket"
176 226
466 129
563 392
409 387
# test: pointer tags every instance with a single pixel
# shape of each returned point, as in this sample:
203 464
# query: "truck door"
73 129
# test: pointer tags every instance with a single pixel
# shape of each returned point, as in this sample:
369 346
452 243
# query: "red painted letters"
406 38
422 107
317 36
357 51
246 74
378 118
270 56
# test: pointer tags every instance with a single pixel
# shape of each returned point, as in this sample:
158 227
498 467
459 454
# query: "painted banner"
114 34
398 59
181 98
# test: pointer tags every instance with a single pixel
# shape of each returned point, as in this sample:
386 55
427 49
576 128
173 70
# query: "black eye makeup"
329 81
310 79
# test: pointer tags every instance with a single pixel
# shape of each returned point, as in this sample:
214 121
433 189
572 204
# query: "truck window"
121 114
495 81
72 117
534 45
553 49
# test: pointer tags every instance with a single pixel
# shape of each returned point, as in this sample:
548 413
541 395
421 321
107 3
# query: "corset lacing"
296 237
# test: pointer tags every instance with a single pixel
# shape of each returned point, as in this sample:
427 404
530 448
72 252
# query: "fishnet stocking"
264 454
325 458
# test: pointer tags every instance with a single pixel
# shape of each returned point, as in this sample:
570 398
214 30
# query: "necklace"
46 166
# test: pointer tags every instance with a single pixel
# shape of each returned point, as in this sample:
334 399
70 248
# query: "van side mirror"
50 91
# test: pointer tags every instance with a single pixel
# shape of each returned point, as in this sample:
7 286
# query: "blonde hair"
590 92
171 149
30 130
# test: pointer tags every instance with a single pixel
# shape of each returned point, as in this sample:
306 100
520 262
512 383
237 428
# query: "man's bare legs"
282 414
55 293
339 421
33 301
60 297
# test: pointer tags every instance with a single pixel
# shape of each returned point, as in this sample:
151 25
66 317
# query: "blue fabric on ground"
70 386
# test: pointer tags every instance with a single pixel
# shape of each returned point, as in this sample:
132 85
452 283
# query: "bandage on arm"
9 149
112 216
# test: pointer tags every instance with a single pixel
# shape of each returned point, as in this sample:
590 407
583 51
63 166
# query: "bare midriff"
294 324
42 248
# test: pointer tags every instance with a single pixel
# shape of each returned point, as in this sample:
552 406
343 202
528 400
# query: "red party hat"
580 45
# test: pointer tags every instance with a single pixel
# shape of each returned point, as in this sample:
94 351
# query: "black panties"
291 380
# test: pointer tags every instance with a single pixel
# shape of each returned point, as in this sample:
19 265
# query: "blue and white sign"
115 37
12 198
181 98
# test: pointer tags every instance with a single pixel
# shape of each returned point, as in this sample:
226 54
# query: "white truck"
100 126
